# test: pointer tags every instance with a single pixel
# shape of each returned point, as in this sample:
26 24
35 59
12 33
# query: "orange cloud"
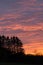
2 18
24 28
34 48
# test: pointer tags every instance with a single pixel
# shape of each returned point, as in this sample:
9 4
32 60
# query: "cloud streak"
23 18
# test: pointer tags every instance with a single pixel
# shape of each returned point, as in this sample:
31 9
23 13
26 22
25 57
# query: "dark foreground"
7 57
15 64
16 55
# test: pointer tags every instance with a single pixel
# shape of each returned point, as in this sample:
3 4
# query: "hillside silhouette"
11 50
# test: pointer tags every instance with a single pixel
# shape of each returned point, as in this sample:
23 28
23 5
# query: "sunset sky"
23 18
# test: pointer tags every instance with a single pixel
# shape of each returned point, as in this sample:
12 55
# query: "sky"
23 18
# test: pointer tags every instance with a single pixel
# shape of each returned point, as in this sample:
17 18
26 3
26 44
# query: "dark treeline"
13 44
11 50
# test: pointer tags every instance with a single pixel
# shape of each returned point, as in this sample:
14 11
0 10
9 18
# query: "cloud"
22 18
34 48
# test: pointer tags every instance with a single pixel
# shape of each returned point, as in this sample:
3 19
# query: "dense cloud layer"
22 18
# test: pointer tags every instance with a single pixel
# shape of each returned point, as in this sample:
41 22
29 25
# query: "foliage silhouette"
9 42
11 50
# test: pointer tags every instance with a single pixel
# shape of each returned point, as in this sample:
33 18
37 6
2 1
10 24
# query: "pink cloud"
24 19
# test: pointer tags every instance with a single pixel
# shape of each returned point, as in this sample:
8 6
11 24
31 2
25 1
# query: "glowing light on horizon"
33 48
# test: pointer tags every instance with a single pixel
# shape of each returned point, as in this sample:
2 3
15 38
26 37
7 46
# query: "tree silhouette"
0 41
17 55
13 44
19 45
3 40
